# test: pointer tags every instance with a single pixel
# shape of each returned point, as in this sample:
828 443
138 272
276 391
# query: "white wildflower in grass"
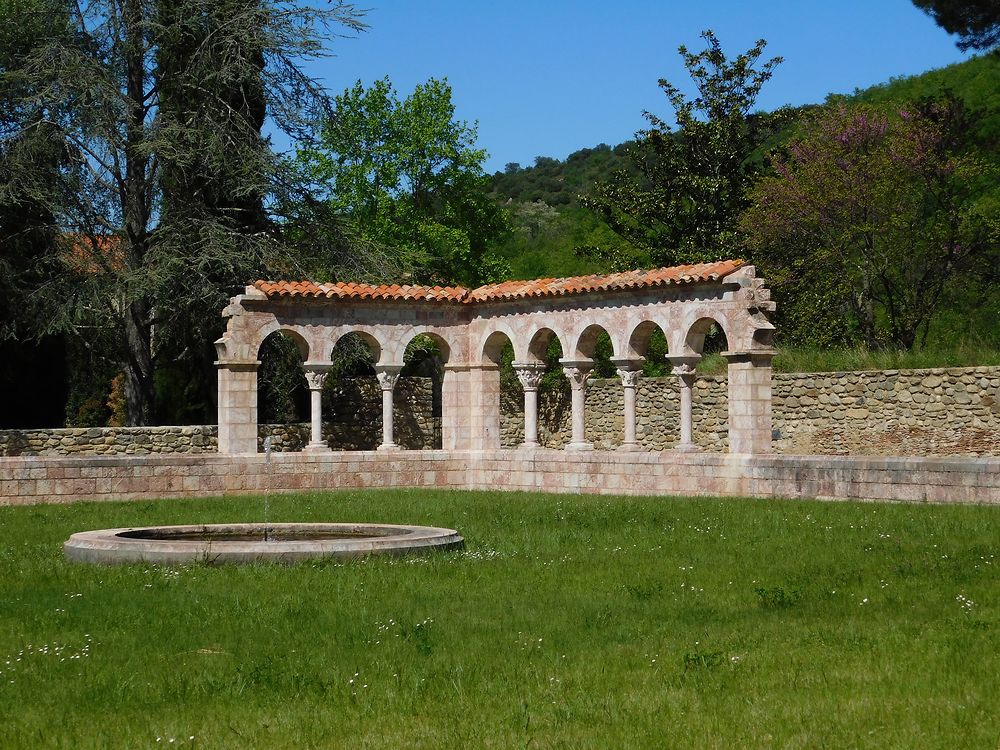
965 602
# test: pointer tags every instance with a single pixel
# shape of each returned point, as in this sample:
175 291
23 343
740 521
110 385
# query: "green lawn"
569 621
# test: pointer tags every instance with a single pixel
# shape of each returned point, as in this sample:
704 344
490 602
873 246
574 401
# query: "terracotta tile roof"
350 290
606 282
507 290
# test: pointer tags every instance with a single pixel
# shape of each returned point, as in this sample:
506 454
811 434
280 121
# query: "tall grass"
569 621
962 353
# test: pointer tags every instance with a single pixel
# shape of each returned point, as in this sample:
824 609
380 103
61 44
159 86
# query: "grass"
569 621
805 359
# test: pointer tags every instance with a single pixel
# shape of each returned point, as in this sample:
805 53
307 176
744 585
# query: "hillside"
550 223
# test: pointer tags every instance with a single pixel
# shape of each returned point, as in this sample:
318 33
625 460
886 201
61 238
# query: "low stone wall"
25 481
933 412
101 441
657 409
355 406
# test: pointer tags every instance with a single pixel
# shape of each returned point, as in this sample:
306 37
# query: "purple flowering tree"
869 217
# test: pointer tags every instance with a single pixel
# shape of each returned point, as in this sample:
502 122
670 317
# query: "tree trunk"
139 393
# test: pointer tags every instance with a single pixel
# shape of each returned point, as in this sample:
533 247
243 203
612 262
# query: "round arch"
586 341
296 336
538 344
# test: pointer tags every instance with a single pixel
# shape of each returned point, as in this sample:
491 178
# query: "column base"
629 447
528 447
386 447
317 448
686 448
580 447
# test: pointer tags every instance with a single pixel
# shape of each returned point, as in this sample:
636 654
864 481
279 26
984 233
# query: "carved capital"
530 374
630 377
315 379
577 376
387 376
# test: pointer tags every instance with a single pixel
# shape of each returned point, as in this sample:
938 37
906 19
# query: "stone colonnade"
472 328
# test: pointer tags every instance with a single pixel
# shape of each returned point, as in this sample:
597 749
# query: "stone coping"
177 545
31 480
698 458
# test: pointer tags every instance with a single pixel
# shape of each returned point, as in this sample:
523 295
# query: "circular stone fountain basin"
240 543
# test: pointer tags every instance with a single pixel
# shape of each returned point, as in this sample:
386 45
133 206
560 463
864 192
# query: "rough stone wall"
657 406
109 441
354 409
936 412
932 412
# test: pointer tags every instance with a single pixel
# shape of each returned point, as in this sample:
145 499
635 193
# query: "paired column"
685 372
629 370
578 371
530 374
387 376
316 374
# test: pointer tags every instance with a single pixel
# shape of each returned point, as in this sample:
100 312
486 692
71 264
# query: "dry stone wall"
934 412
353 406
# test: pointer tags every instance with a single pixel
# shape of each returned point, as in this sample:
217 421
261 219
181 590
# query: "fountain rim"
110 547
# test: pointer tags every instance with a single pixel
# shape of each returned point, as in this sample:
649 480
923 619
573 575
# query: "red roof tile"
507 290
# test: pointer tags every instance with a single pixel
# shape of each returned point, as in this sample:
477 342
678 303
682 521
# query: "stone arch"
492 347
366 336
300 338
282 390
639 336
538 344
586 342
693 343
444 346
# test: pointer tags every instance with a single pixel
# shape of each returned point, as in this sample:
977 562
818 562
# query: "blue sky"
552 76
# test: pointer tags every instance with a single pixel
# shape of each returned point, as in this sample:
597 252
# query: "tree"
155 107
409 176
692 181
871 217
977 22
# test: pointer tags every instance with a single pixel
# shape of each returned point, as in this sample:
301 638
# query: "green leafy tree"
871 217
693 180
409 176
155 107
976 22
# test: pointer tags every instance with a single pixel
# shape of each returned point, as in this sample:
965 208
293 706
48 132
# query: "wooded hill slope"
550 224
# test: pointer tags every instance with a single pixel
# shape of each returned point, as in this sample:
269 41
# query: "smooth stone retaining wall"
31 480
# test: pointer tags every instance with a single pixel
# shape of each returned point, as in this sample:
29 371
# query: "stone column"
629 371
578 372
685 375
684 369
750 401
237 406
387 376
530 374
316 378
